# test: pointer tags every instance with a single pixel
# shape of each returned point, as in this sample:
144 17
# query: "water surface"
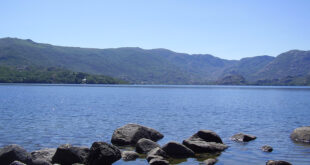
40 116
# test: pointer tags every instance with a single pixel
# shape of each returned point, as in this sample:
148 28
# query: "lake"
41 116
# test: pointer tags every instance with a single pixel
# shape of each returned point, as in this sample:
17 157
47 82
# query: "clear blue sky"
229 29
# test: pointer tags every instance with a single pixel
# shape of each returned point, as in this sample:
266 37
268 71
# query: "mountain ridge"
153 66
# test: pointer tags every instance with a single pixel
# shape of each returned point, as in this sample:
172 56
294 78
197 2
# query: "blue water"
40 116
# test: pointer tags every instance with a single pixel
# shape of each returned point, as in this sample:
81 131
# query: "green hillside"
154 66
51 76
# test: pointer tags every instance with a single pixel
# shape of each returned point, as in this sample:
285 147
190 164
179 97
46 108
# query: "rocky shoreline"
143 139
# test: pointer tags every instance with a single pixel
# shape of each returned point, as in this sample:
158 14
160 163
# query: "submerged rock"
143 146
210 161
205 141
277 162
177 150
129 155
103 153
130 134
243 137
301 134
67 154
267 148
11 153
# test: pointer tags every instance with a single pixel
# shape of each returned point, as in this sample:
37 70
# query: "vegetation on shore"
52 76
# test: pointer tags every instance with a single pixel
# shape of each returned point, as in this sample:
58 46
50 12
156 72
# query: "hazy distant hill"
155 66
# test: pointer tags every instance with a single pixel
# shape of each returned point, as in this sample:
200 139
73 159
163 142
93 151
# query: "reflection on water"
38 116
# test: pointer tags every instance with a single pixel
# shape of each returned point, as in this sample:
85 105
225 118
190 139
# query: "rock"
17 163
10 153
67 154
277 162
155 153
130 134
242 137
205 141
42 157
158 161
210 161
40 162
177 150
207 136
150 157
129 155
103 153
267 148
301 134
158 151
204 147
143 146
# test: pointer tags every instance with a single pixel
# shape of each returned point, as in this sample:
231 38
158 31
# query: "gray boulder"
67 154
158 161
103 153
267 148
129 155
277 162
144 145
240 137
130 134
150 157
177 150
205 141
158 151
17 163
204 147
207 136
10 153
210 161
155 153
301 134
43 157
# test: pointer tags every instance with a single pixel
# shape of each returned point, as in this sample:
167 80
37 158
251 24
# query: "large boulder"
43 157
204 147
130 134
10 153
67 154
207 136
144 145
205 141
177 150
277 162
301 134
129 155
240 137
103 153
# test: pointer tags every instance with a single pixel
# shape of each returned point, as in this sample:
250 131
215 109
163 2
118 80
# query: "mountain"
154 66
